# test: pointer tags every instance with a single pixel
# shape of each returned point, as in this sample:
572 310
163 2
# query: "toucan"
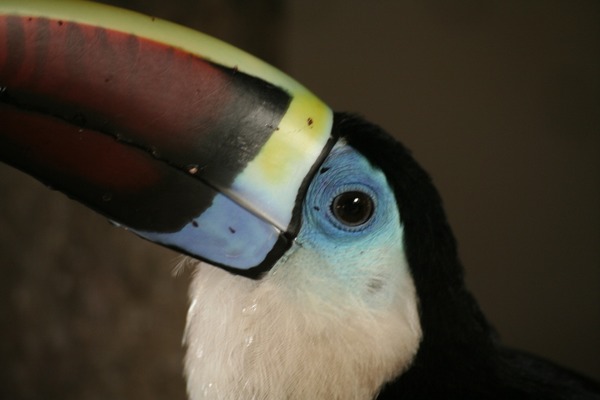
326 266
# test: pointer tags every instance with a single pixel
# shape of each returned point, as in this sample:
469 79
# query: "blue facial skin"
364 262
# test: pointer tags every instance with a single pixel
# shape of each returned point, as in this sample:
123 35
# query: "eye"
352 208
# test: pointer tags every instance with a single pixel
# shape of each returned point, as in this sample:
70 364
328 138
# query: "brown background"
500 101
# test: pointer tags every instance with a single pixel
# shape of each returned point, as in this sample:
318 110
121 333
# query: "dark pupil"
352 208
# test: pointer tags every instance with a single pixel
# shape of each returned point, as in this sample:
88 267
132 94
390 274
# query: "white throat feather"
258 340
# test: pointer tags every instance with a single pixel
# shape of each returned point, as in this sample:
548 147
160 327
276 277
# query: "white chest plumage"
252 340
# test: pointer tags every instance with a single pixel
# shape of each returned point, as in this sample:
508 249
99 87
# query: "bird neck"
251 339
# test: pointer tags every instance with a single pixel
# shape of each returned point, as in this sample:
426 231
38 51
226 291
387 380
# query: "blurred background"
499 100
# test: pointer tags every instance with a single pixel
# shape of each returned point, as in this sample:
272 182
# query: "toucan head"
200 147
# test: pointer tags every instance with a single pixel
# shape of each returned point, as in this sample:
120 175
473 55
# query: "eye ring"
352 208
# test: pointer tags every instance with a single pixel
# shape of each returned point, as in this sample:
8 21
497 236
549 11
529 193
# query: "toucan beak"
180 138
